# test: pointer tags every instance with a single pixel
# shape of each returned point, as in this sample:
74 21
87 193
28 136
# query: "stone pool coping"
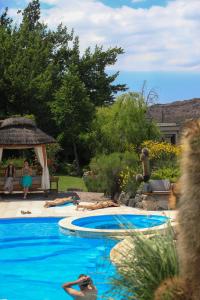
67 226
12 209
122 248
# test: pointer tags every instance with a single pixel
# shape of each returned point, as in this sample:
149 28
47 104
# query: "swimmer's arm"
68 288
72 292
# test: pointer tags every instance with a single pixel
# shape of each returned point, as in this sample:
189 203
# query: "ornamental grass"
144 265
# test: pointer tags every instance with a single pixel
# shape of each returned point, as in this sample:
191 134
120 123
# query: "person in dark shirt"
9 177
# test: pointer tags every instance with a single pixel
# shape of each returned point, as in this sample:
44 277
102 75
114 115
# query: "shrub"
93 182
66 169
52 152
128 181
106 172
162 153
144 266
171 173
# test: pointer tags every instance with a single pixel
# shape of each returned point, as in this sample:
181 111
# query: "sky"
160 39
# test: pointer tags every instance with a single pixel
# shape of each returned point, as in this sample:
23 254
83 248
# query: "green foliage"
72 107
106 169
162 154
35 64
53 150
121 125
144 265
66 169
172 173
17 162
128 180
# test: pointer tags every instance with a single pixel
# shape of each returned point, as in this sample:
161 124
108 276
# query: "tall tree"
72 110
34 63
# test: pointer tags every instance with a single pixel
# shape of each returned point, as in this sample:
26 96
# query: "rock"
149 205
124 198
132 202
139 205
155 202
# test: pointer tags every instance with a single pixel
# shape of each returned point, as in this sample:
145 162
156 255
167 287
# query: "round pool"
123 221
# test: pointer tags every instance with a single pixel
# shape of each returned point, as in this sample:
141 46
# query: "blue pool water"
120 221
36 258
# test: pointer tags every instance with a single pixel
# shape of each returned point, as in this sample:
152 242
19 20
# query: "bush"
144 266
93 183
128 180
52 152
106 172
171 173
67 169
162 153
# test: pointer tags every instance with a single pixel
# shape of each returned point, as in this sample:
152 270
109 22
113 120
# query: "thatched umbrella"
21 133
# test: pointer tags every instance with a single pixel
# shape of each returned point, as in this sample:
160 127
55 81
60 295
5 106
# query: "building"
170 132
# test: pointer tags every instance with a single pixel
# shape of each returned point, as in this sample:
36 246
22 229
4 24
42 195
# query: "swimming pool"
36 258
120 221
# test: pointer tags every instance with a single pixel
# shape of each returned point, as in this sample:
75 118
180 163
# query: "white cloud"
154 39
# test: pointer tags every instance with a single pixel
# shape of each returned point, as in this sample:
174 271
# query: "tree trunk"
76 158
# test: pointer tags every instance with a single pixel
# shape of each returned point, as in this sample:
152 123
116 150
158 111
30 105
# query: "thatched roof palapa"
22 131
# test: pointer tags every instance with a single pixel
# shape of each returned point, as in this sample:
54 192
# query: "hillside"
179 111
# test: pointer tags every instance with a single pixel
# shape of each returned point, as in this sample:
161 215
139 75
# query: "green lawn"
66 182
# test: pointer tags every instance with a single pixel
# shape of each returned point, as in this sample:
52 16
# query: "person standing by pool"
9 175
26 178
87 289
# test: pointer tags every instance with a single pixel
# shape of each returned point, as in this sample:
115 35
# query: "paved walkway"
11 207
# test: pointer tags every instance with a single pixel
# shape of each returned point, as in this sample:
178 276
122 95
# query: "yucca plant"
144 264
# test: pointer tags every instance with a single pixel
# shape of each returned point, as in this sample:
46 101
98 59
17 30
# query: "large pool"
36 258
125 221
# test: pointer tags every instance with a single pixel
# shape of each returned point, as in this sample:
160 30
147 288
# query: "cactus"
187 286
173 289
189 209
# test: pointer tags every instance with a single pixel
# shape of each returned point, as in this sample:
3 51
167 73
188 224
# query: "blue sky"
160 38
136 3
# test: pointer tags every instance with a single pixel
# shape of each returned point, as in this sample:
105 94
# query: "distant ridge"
175 112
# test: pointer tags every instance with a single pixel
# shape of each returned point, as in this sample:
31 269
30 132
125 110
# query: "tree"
72 110
92 69
34 63
122 125
31 14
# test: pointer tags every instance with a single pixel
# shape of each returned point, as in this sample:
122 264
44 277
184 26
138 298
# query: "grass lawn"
66 182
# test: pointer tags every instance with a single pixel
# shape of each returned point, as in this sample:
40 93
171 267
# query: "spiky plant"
173 289
144 264
189 210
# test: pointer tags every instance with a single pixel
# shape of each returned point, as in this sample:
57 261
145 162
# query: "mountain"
175 112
